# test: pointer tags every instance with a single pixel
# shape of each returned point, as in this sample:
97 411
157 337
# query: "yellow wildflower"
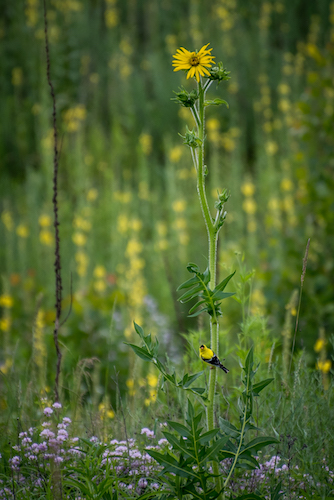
145 141
92 194
283 89
22 231
319 345
6 301
7 219
286 184
180 223
100 285
179 206
212 124
175 154
184 238
99 272
45 220
271 148
5 324
163 244
136 224
122 223
248 188
6 365
46 237
324 366
152 380
130 383
251 226
249 206
196 62
103 408
79 239
17 77
133 247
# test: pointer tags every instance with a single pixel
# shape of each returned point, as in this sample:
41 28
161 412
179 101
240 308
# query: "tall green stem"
212 240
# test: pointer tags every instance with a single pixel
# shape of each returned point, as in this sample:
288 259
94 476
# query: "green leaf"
250 496
187 284
228 428
197 313
171 465
222 295
249 458
216 102
259 443
192 268
199 303
190 413
213 450
190 379
276 495
179 445
141 352
222 285
139 330
179 428
207 436
191 294
257 388
249 360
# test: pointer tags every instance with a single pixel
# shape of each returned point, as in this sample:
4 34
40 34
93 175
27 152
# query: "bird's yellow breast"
205 352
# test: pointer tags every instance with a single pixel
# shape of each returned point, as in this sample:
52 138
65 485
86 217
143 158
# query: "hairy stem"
212 240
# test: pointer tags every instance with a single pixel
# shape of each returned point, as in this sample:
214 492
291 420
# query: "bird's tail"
223 367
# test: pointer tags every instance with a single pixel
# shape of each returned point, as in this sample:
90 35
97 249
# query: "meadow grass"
130 224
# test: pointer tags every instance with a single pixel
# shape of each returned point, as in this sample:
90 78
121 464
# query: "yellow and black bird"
206 354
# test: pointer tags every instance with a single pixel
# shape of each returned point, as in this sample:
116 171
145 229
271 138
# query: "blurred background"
130 220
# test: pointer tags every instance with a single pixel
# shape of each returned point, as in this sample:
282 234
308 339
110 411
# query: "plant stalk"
212 240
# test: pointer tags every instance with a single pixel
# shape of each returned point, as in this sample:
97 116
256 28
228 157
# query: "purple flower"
67 421
142 483
47 433
56 405
26 441
147 432
48 412
22 435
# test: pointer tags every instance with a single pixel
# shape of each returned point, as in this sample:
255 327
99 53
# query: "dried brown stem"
57 265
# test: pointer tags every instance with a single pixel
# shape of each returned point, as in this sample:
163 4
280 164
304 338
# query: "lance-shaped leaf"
142 352
257 388
259 443
172 465
213 450
180 445
180 428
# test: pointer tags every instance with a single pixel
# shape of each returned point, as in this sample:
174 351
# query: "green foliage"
185 98
87 478
200 289
193 450
149 352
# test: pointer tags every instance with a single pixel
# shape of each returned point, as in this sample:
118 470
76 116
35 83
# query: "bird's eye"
201 347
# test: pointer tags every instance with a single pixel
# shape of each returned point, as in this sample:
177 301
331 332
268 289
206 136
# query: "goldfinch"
206 354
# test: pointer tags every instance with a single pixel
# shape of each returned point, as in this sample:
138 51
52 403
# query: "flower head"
196 62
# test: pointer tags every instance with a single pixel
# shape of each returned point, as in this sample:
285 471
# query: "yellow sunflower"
195 62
